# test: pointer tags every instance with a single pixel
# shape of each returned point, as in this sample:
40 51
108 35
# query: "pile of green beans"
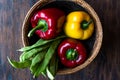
40 58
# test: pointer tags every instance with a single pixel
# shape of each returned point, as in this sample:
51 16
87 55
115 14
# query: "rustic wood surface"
104 67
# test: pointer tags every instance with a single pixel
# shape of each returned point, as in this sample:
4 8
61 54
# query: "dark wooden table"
106 65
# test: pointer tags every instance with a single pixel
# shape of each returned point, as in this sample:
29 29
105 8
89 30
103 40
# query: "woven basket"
67 5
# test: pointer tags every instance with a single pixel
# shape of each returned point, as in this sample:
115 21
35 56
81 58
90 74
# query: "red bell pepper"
47 23
71 53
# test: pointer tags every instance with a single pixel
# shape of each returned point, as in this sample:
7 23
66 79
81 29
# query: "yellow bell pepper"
79 25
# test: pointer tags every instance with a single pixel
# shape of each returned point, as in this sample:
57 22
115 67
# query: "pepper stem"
42 25
71 54
85 24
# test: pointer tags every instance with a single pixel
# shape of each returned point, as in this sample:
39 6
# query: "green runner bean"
21 56
53 65
16 64
36 60
49 74
47 58
33 69
33 52
40 43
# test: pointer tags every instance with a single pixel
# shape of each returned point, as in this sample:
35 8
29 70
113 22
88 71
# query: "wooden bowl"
93 44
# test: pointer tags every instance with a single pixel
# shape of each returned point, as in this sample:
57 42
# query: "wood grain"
104 67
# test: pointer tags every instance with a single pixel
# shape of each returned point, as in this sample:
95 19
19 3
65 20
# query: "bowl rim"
98 38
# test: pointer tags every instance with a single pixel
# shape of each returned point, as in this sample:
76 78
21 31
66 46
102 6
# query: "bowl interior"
67 7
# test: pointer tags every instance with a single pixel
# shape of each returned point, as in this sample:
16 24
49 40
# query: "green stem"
71 54
85 24
42 25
